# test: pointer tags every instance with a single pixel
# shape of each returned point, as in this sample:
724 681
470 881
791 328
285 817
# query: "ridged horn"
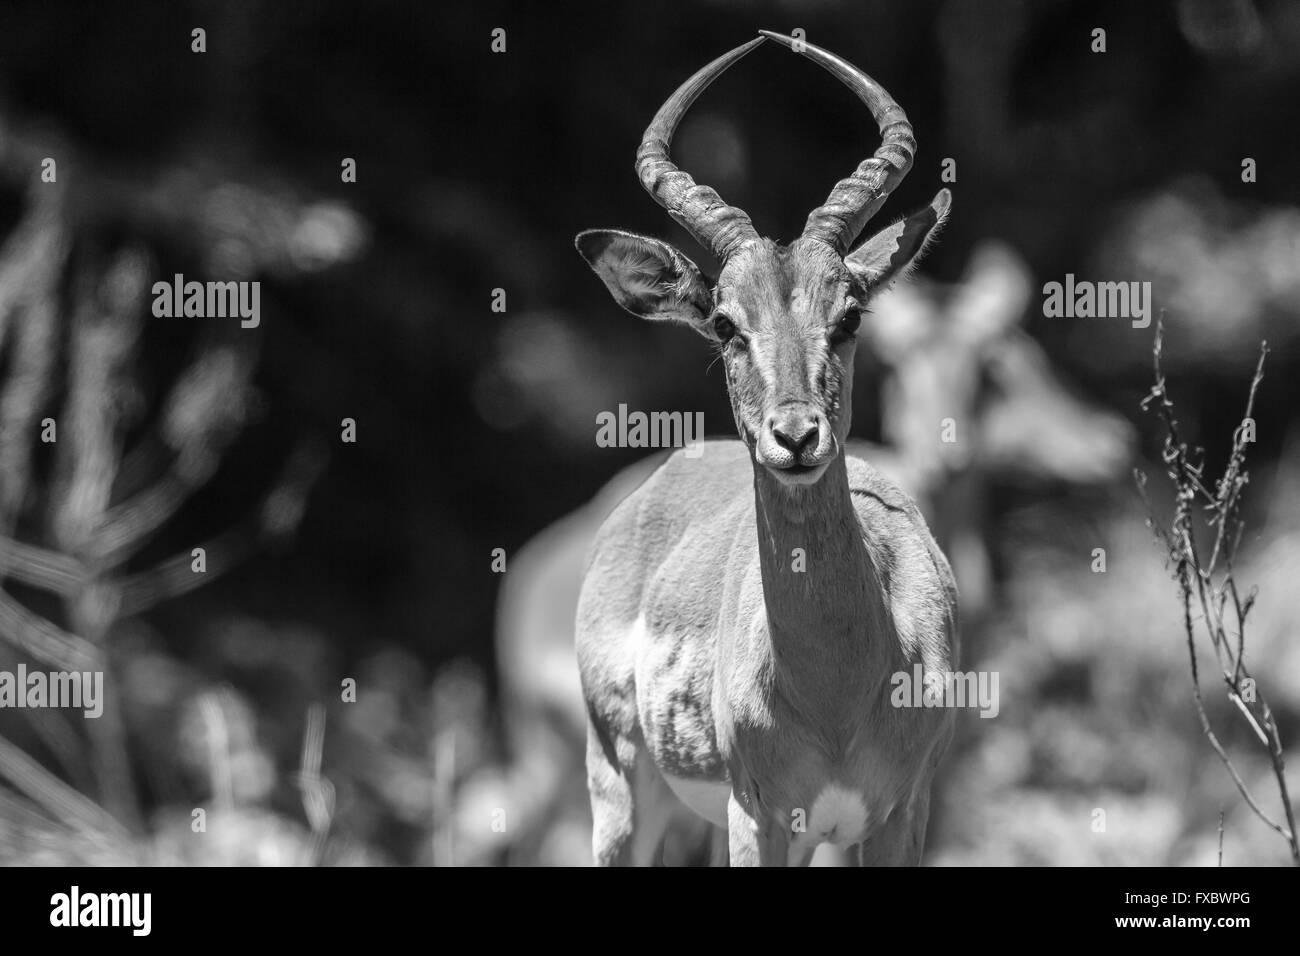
855 200
716 225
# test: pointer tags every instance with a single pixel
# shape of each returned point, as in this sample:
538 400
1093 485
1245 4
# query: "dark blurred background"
372 560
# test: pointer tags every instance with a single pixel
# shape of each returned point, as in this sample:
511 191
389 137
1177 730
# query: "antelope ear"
647 277
892 252
994 293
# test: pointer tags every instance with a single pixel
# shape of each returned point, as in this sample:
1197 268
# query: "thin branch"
277 517
1220 837
61 801
44 641
1210 584
40 567
317 791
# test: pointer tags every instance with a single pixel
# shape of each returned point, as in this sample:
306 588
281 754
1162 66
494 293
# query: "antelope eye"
723 327
848 325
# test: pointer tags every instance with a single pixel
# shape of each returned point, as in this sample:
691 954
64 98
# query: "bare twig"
1220 837
208 406
56 797
1208 587
44 641
317 791
276 517
39 567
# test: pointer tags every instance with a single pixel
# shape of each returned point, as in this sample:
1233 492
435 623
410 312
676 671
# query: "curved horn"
711 221
855 200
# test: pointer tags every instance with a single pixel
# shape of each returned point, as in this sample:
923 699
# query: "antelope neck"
826 610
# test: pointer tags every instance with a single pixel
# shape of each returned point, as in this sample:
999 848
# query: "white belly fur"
837 816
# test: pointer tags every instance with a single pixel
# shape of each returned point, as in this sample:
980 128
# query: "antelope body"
743 612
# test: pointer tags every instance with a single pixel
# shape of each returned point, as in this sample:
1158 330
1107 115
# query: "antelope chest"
837 814
820 798
834 776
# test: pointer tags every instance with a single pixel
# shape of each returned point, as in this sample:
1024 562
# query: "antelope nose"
794 431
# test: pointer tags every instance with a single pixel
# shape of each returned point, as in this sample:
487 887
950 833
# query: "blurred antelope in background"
957 354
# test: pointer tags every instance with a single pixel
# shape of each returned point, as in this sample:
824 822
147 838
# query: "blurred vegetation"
371 561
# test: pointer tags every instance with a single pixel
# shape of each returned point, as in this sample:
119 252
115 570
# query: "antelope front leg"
753 841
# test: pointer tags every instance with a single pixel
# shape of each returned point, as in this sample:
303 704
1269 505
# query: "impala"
742 612
948 351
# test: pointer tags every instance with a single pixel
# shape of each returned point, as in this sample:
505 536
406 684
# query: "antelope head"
784 317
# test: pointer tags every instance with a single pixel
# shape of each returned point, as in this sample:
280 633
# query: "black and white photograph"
666 434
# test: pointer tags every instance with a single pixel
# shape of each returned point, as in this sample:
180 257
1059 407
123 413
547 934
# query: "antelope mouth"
787 469
797 474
